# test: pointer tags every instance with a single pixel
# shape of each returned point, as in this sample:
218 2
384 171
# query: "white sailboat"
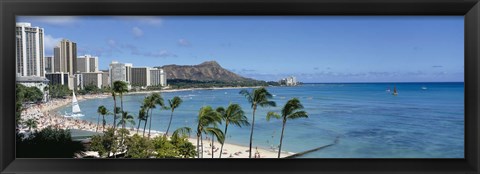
76 112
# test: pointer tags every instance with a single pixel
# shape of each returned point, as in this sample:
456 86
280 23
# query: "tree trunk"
145 126
251 132
150 124
213 141
201 141
98 122
114 115
114 121
138 127
121 105
221 149
103 123
169 123
281 138
198 145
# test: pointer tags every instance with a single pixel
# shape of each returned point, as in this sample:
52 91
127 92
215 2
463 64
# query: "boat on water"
76 112
424 88
395 93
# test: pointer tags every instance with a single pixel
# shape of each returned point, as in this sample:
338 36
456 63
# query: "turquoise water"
370 123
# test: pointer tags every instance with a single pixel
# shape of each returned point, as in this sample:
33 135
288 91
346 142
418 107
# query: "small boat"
424 88
76 112
395 93
388 90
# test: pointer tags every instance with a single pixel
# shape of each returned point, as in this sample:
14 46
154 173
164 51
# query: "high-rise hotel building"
29 50
158 77
87 63
49 64
65 57
141 76
117 72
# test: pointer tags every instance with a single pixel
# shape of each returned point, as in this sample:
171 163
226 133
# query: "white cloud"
137 32
52 20
148 20
152 20
184 43
50 42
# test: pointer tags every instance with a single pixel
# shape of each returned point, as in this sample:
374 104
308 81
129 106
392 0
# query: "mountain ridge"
205 71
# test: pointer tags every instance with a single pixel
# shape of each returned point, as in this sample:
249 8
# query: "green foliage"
185 149
104 143
25 94
164 148
31 123
126 118
138 147
28 94
48 143
59 91
120 87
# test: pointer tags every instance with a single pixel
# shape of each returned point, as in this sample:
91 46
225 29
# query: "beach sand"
46 115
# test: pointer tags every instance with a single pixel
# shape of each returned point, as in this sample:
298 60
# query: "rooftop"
31 79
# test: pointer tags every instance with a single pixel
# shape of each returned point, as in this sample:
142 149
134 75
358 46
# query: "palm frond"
273 114
267 104
217 133
298 114
182 131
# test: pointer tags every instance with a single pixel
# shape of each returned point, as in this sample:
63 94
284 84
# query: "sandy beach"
46 115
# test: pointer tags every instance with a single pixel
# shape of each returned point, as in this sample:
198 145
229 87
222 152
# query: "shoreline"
187 89
46 115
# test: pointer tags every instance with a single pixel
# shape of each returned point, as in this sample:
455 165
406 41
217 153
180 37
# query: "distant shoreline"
188 89
372 82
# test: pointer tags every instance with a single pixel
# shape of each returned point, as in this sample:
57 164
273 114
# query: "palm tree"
114 95
216 133
155 99
235 115
98 118
182 131
126 117
148 104
141 116
120 87
102 110
293 109
174 103
206 117
258 97
31 123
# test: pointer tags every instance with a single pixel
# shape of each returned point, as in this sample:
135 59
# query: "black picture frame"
470 9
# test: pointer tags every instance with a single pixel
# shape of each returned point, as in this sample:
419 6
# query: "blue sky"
312 48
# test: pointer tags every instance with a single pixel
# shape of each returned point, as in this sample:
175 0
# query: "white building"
78 82
92 78
87 63
105 78
30 50
289 81
128 72
118 72
158 77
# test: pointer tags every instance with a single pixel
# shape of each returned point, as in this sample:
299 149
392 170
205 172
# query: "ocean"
425 120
